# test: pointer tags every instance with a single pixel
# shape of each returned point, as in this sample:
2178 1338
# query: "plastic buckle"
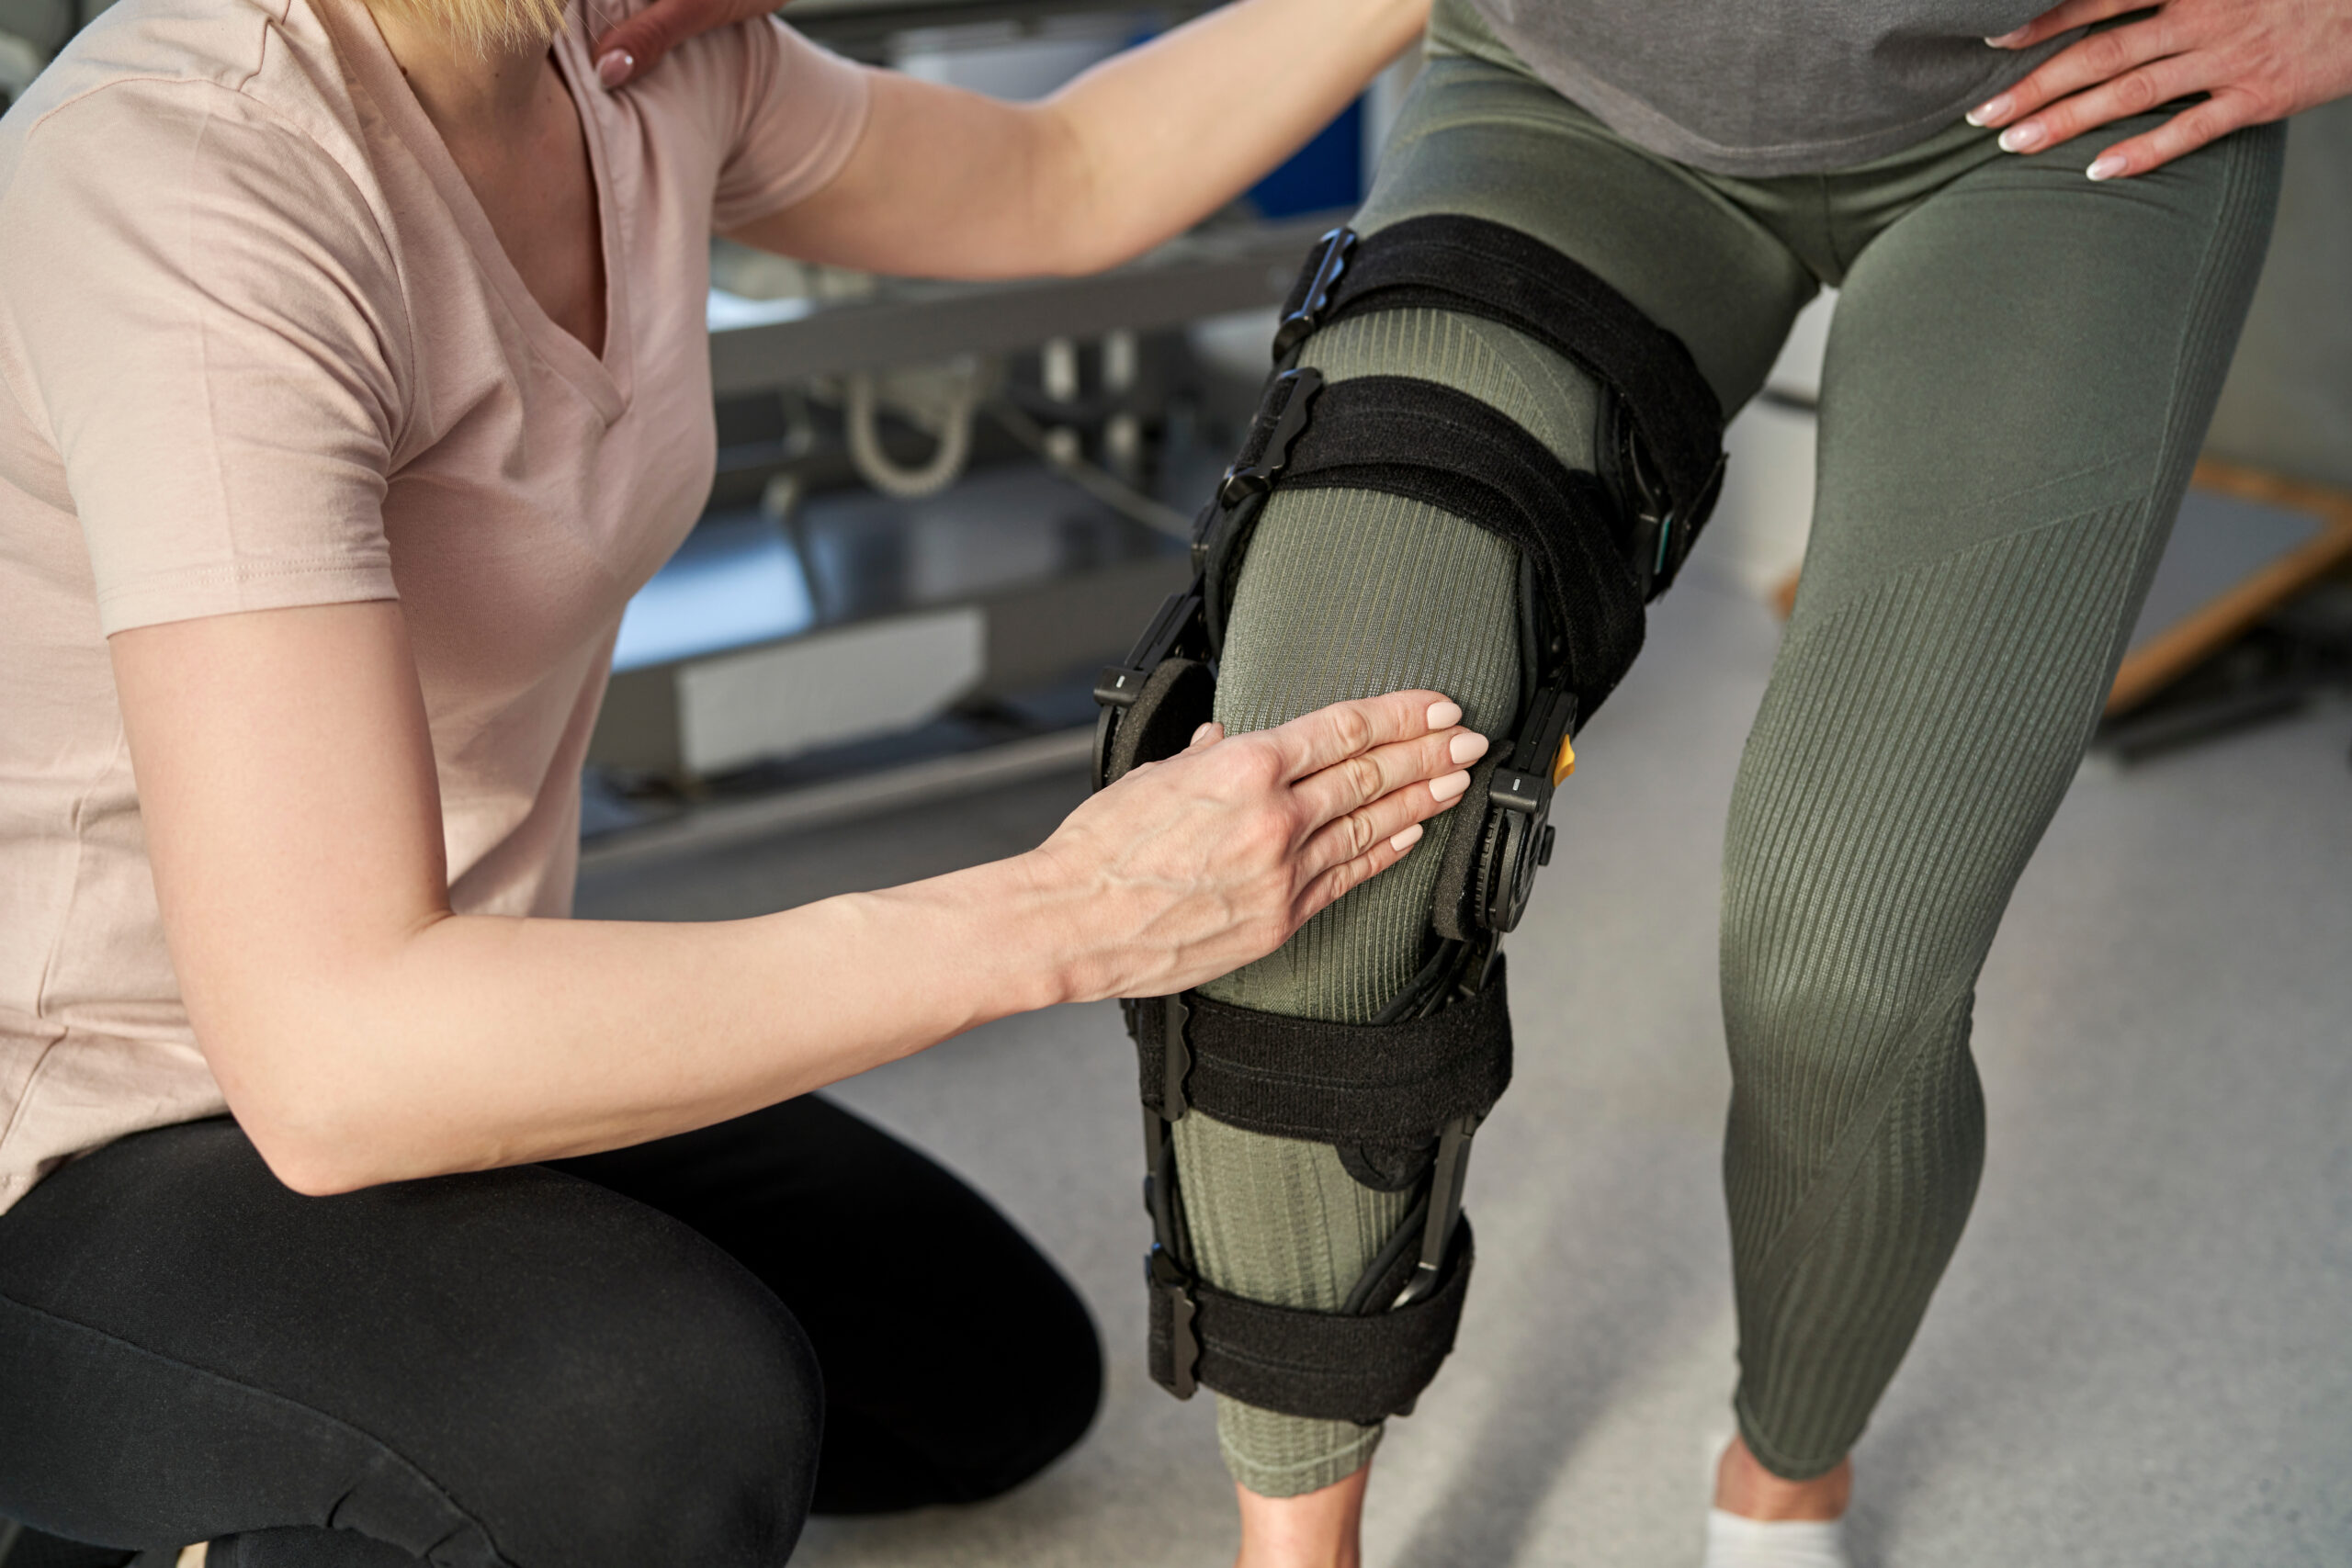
1453 1164
1116 686
1164 1277
1330 265
1176 1058
1242 481
1518 834
1551 719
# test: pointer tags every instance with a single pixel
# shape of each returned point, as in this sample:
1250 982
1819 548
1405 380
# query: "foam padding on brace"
1178 699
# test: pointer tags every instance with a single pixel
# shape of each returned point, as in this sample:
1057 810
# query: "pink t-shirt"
259 347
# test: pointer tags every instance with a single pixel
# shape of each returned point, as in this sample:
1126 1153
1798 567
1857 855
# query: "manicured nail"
1987 112
1467 747
1450 785
2105 168
2008 41
1444 713
2023 138
614 66
1405 839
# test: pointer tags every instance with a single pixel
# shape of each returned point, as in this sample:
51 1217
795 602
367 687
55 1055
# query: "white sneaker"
1733 1542
1736 1542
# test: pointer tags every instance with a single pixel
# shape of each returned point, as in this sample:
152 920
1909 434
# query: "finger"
2182 134
1360 831
1313 741
628 51
2133 93
2064 18
2100 58
1358 781
1206 736
1323 890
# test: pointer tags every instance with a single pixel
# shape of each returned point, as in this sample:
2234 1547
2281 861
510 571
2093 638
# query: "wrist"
1064 957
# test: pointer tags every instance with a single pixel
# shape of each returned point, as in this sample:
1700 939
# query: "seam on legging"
1819 623
1777 1273
270 1396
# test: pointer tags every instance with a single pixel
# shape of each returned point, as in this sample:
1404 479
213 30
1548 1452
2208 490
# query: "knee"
661 1406
1818 997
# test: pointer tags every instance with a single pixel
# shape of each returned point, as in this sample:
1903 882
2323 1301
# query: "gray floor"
2143 1353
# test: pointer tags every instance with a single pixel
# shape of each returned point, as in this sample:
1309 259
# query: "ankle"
1315 1529
1744 1487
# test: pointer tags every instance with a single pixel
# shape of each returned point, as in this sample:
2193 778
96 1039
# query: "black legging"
664 1354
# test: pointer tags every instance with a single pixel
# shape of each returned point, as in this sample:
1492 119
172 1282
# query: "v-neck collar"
604 379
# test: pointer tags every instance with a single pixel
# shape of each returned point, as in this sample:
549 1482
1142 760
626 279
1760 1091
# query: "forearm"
1159 137
363 1032
948 184
480 1041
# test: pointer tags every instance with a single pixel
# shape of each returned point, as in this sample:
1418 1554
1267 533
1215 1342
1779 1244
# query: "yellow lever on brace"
1565 763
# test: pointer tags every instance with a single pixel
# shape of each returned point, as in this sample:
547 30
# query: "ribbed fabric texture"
1349 594
1916 739
2021 369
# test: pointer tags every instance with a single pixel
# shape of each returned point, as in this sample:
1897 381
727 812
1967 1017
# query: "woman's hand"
1188 868
2256 60
628 51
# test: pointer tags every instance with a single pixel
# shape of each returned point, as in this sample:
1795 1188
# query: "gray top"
1763 87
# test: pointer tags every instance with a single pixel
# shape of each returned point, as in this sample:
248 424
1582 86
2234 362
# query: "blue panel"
1326 172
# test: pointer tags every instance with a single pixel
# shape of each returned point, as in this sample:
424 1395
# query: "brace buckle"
1330 265
1165 1278
1446 1176
1178 1053
1244 480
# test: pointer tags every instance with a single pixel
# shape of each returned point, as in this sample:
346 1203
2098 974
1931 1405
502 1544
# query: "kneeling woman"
352 376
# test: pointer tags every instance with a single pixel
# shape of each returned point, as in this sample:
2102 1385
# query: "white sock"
1736 1542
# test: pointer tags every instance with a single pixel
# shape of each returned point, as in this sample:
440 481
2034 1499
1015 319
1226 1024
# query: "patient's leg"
1348 593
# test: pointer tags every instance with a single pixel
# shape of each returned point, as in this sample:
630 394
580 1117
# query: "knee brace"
1401 1098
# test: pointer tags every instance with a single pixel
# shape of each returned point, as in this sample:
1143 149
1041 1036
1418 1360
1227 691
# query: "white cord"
951 424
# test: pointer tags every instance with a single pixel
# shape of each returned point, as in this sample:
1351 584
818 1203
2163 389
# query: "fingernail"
1467 747
2105 168
1445 715
614 67
1450 785
1988 111
1405 839
2023 138
1205 732
2008 41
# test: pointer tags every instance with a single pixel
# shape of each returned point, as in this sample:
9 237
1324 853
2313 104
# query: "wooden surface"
2186 643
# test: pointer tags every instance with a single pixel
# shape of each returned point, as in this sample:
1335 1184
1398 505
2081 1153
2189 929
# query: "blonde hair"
487 26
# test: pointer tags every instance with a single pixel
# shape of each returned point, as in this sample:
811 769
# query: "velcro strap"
1325 1366
1332 1083
1425 442
1476 267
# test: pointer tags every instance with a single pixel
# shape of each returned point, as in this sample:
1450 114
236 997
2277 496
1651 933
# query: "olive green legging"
2021 370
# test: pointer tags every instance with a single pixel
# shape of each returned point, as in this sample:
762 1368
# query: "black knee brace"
1401 1097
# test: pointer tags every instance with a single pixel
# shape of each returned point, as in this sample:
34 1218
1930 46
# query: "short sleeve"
197 303
803 109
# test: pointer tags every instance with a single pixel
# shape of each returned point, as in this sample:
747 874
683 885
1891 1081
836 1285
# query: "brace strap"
1425 442
1325 1083
1471 267
1325 1366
